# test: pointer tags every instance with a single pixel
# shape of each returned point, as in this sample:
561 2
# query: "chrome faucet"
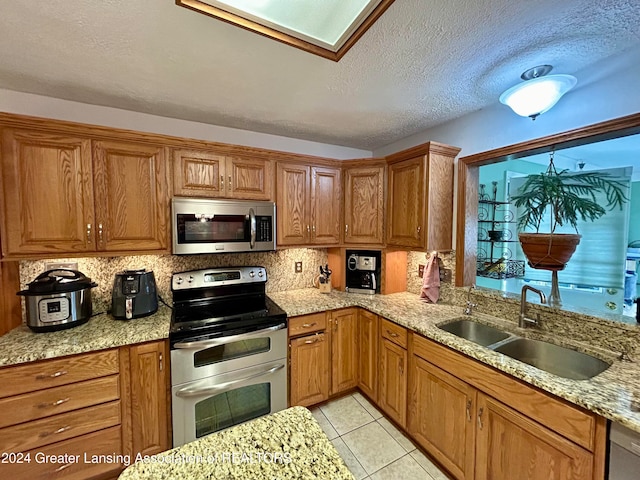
470 305
524 320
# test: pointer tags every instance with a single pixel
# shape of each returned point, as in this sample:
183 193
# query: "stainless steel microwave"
203 225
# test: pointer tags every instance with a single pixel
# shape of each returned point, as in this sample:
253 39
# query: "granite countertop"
21 345
614 394
286 445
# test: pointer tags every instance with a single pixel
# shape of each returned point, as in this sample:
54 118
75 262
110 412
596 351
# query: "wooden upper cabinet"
200 173
308 200
326 187
48 193
420 197
131 195
364 205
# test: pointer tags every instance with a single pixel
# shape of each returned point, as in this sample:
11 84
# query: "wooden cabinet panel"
306 324
393 332
48 193
132 202
368 354
292 204
251 179
510 445
441 416
392 395
406 203
149 379
364 205
309 370
198 173
326 186
52 373
344 350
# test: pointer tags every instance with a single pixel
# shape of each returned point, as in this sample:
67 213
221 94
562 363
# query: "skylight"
327 27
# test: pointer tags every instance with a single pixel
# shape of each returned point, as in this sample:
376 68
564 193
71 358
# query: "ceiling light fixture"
538 93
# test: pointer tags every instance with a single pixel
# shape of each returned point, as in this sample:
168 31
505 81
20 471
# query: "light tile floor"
369 444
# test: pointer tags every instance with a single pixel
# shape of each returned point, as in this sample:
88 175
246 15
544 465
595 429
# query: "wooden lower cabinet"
344 350
392 396
149 380
509 445
368 354
441 416
309 370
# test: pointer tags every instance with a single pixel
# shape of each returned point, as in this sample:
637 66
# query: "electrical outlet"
445 275
420 270
298 267
57 265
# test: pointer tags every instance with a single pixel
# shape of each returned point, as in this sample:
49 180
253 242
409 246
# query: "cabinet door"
198 173
368 358
344 350
441 416
48 194
251 179
149 383
406 203
292 204
363 205
132 203
309 370
326 198
393 381
510 445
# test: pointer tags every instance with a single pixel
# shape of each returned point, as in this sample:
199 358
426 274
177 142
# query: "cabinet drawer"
307 324
29 435
75 459
393 332
51 373
52 401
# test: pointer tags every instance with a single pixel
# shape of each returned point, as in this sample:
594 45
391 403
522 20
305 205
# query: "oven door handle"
224 340
252 228
188 392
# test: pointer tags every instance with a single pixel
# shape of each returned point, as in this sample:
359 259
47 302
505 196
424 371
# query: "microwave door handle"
252 227
187 392
221 341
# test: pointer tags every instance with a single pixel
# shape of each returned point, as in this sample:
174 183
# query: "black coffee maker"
363 271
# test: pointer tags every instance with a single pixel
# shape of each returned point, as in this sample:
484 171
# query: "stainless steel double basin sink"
561 361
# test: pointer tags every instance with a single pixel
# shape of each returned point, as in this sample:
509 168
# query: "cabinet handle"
88 233
44 376
419 228
314 340
480 412
62 467
100 232
229 181
160 359
346 229
313 229
309 325
308 228
55 432
53 404
221 182
468 410
335 325
392 334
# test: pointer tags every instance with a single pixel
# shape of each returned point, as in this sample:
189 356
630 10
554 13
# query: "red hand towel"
431 280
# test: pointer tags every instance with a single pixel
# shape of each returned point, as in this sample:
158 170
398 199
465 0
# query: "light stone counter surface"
614 394
287 445
22 345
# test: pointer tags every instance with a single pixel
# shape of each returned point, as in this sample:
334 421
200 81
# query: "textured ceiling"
422 63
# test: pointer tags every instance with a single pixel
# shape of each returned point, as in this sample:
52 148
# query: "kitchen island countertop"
287 445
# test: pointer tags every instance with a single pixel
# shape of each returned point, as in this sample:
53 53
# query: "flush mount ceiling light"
327 28
538 93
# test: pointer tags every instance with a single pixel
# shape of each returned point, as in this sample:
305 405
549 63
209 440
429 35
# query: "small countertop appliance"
363 271
134 294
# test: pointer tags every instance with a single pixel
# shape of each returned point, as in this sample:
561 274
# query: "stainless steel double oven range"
228 350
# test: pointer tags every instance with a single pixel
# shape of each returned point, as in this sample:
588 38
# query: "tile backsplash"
414 282
280 266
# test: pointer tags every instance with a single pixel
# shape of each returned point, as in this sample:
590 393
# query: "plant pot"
547 251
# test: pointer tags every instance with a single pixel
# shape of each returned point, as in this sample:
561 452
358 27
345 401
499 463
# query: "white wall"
48 107
608 90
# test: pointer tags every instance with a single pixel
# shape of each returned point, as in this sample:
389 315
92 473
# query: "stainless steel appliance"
134 294
228 351
202 225
58 299
363 271
624 453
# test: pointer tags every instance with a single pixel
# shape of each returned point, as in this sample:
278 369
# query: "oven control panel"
215 277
